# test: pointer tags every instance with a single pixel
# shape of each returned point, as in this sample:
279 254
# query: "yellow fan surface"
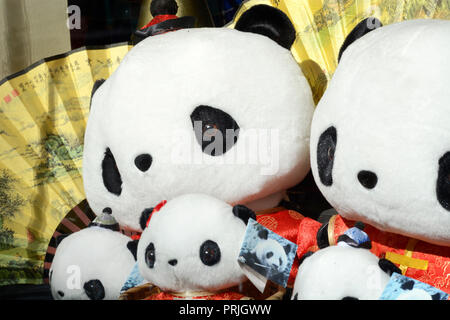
322 26
43 115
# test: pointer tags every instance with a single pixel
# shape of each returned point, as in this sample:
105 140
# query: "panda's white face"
340 272
91 264
141 143
192 244
270 253
380 138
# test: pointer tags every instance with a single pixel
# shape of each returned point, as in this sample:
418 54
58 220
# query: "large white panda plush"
192 244
342 273
380 143
91 264
219 111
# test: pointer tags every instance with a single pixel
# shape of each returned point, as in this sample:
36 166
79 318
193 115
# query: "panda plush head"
342 273
91 264
380 138
225 112
192 244
271 253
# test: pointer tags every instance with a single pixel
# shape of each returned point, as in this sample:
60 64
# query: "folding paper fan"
322 26
43 115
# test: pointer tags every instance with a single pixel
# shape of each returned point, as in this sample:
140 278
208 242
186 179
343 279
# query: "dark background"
104 21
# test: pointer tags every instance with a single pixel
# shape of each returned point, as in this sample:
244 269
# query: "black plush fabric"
144 217
326 149
388 267
97 85
210 253
270 22
443 181
132 246
322 236
210 124
361 29
150 256
143 162
94 289
243 213
110 173
368 179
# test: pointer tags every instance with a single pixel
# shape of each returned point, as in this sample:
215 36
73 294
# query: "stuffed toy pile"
380 146
217 123
214 111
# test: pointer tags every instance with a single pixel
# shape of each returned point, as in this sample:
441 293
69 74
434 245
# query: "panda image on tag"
267 253
404 288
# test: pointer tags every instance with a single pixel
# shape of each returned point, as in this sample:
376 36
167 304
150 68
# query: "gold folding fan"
43 114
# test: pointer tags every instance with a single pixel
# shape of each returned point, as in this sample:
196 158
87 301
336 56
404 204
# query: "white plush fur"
178 230
93 253
145 107
389 101
278 257
337 272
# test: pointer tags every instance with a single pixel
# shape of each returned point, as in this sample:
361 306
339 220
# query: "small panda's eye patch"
210 253
110 173
150 255
269 255
326 148
443 181
215 130
94 289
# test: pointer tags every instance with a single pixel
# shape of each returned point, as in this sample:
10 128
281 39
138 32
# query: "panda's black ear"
132 246
361 29
322 236
287 248
263 234
144 217
388 267
270 22
97 84
243 213
407 285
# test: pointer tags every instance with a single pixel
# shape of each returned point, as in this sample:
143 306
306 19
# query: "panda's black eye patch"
210 253
94 290
349 298
215 130
110 173
150 256
269 255
443 181
326 148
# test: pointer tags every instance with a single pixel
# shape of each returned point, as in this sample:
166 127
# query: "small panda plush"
91 264
192 245
225 112
380 144
342 273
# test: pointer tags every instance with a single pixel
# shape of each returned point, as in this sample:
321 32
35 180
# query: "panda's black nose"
173 262
143 162
368 179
